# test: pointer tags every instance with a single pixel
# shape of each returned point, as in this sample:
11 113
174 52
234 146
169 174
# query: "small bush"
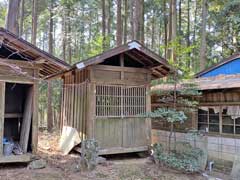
187 161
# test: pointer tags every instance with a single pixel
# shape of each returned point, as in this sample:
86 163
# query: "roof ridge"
234 56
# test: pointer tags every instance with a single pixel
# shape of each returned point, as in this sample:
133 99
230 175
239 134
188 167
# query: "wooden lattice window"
120 101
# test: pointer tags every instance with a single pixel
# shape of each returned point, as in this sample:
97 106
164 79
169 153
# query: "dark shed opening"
17 104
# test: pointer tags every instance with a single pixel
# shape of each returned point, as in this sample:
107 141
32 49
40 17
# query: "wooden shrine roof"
136 51
22 50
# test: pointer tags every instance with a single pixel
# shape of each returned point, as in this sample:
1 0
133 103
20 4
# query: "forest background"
202 31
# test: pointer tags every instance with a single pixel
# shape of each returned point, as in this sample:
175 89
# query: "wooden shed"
218 111
105 97
219 106
22 65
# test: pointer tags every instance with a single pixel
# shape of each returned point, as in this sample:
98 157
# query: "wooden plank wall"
74 101
121 132
119 75
226 96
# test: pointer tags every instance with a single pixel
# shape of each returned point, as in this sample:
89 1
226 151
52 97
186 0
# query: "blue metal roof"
231 67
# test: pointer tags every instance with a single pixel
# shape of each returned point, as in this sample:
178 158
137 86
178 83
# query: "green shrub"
188 161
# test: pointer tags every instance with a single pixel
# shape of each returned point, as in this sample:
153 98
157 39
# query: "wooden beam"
122 65
26 64
161 69
100 58
158 73
35 114
40 60
2 110
121 150
91 93
16 79
13 115
30 50
135 58
143 57
148 109
118 68
48 69
218 103
1 39
24 158
121 82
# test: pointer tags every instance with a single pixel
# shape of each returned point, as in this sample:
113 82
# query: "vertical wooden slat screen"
120 101
74 106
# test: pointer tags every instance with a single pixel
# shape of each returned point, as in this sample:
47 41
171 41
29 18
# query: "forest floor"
116 168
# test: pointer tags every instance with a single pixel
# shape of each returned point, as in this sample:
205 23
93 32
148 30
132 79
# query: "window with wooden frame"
120 101
208 119
219 119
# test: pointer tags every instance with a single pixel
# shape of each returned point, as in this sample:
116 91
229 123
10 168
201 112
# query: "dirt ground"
66 167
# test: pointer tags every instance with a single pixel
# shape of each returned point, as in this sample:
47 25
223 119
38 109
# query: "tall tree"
69 34
119 22
50 50
180 17
153 29
165 28
137 19
64 37
22 15
188 23
125 31
141 21
132 9
104 24
203 48
11 22
109 20
34 22
172 29
174 19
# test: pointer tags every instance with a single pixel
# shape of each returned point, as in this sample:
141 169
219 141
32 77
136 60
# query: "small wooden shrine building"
22 65
105 97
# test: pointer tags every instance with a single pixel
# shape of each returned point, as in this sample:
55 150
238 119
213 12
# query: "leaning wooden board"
26 124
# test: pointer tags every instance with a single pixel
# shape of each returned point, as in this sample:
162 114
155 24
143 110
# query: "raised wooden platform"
121 150
15 159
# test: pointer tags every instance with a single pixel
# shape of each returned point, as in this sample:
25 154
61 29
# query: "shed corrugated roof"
230 65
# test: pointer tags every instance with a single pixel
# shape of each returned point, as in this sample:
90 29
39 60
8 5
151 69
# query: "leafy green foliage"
3 13
187 161
170 115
